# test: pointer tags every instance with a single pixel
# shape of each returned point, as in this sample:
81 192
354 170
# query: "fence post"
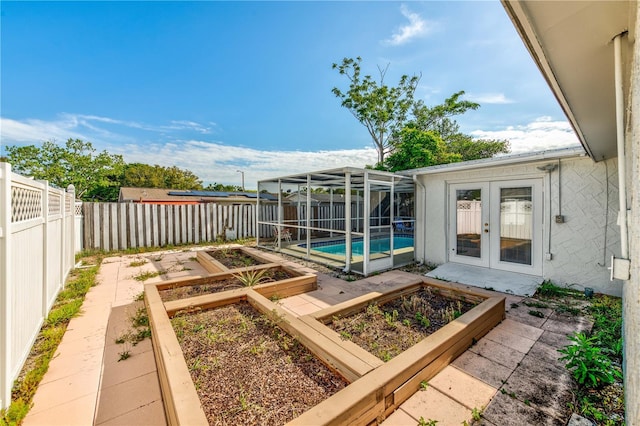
45 245
78 225
5 282
70 201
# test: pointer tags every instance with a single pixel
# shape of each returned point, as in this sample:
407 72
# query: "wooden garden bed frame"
213 266
376 388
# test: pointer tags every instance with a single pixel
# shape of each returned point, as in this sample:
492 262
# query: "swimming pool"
378 245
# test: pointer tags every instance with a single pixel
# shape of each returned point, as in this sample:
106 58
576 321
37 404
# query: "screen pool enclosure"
358 220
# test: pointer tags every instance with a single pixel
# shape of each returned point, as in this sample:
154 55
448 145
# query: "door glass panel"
380 221
516 225
469 222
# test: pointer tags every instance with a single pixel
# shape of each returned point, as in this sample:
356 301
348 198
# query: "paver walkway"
512 372
75 387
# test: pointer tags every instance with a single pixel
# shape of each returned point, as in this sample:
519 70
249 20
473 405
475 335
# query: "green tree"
380 108
415 148
223 188
438 118
470 149
93 174
146 176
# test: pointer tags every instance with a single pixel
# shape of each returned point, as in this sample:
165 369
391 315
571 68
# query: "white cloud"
539 135
488 98
216 162
415 28
211 161
190 125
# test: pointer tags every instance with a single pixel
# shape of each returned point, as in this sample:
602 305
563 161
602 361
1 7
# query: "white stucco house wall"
558 225
587 52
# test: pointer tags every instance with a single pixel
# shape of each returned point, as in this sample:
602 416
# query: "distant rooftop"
160 195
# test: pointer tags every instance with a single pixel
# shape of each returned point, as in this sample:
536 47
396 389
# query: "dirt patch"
234 258
394 327
261 277
247 370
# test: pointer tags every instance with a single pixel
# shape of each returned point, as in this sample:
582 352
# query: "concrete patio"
512 374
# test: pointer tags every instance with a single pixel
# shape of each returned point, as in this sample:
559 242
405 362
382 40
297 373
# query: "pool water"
378 245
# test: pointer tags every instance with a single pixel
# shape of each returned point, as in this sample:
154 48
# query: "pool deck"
512 372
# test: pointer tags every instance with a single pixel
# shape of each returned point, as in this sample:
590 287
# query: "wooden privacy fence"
36 254
117 226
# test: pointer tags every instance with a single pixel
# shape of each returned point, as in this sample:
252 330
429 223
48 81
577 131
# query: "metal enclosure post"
366 216
347 221
257 216
308 216
280 214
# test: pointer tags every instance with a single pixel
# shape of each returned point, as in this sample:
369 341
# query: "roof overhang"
572 44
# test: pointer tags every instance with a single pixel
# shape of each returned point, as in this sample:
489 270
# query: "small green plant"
589 366
476 414
391 318
424 385
275 298
345 335
549 289
125 354
140 319
406 322
139 297
252 277
244 403
147 275
430 422
423 320
534 304
537 314
137 263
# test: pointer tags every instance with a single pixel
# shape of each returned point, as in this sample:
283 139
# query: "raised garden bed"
388 329
247 370
376 388
216 283
232 257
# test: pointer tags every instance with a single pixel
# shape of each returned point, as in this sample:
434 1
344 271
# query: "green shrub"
589 366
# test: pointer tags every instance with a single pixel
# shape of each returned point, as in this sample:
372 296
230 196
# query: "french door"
497 225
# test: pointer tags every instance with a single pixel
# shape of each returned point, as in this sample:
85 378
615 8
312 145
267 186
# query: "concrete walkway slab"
503 281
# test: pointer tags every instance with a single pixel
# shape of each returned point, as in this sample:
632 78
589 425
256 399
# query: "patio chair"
400 225
285 234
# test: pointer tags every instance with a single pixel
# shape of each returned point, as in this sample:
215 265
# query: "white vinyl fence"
516 219
37 228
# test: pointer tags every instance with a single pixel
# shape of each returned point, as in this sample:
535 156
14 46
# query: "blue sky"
215 87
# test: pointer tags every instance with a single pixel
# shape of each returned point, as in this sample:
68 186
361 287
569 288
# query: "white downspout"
622 160
424 221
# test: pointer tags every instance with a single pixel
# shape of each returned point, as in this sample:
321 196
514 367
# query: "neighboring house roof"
527 157
571 42
128 194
